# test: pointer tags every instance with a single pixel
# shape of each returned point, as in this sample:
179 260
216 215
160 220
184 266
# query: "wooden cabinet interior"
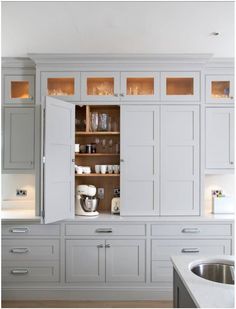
100 86
220 89
61 86
140 86
179 86
107 145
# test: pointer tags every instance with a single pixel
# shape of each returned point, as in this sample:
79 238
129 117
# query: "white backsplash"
11 182
218 182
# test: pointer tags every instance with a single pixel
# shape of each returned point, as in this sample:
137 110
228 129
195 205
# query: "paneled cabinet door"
180 160
140 86
180 86
18 149
139 160
18 89
61 85
219 89
219 142
125 260
100 86
85 260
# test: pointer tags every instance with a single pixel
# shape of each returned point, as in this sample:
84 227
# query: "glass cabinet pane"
20 90
100 86
140 86
179 86
220 89
61 86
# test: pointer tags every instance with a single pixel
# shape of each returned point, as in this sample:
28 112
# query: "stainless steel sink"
218 272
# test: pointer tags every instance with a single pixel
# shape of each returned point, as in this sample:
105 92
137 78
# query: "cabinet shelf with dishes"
97 149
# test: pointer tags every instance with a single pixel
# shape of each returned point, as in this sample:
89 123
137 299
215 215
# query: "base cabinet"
105 260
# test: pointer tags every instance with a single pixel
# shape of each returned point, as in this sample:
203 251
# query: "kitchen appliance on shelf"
86 203
115 203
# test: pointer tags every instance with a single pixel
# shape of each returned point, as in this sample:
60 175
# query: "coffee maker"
86 203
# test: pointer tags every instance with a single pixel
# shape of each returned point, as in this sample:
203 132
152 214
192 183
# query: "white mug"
97 169
79 169
116 169
87 170
110 169
76 147
103 169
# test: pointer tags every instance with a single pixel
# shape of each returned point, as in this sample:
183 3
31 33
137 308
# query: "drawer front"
30 249
163 249
105 229
30 230
23 272
190 231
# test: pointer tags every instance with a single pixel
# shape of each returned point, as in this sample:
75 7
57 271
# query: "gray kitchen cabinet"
18 138
18 89
180 160
105 260
140 160
219 139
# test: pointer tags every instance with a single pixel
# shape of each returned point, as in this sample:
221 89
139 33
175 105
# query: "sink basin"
218 272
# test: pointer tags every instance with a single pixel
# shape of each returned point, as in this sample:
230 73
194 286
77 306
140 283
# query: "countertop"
205 293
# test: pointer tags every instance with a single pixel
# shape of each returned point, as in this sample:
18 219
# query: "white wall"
11 182
218 182
117 27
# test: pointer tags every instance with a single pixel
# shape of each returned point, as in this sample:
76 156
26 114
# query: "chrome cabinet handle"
20 230
115 94
19 250
104 230
100 246
190 230
122 160
231 98
190 250
108 246
19 271
231 162
122 94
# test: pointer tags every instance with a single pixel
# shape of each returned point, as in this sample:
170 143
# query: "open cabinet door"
58 184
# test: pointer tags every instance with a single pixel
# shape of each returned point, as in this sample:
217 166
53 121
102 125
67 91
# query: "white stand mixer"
86 203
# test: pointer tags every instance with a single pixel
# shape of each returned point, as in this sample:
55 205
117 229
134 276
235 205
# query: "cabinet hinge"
44 160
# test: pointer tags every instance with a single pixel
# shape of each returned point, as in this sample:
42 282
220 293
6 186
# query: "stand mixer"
86 203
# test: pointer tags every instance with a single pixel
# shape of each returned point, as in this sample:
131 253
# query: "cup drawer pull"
19 250
191 230
19 271
104 230
20 230
190 250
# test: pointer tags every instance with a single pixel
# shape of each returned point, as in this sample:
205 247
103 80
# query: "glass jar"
103 122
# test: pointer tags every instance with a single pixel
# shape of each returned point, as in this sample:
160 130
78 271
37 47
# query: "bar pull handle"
190 230
19 230
19 271
104 230
190 250
108 246
100 246
19 250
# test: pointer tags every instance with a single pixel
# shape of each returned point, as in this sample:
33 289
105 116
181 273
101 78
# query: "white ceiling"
117 27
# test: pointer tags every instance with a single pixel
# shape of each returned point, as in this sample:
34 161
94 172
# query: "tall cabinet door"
18 150
139 160
125 260
59 160
180 160
219 142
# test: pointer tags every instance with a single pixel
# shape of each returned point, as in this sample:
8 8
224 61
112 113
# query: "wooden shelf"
96 154
97 175
84 133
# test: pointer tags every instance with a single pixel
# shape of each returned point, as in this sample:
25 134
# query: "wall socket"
21 192
101 193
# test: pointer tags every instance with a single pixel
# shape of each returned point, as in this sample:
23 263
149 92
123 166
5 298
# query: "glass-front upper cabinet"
100 86
140 86
64 85
180 86
219 89
18 89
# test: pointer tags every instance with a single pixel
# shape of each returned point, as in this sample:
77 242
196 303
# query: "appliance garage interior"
117 168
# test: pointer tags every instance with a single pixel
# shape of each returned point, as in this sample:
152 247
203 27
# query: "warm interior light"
220 89
100 86
179 86
20 90
61 86
140 86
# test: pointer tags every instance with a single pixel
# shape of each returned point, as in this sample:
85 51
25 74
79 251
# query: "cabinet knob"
122 160
108 246
122 94
115 94
231 98
100 246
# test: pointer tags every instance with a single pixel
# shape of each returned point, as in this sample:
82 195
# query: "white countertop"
18 210
205 293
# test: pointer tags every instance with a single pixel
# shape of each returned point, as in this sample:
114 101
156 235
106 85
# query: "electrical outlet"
101 193
116 192
21 192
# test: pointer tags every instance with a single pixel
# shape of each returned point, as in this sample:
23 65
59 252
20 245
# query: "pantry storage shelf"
84 133
96 154
97 175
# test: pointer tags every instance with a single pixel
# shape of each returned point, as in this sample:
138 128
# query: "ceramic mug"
97 169
116 169
110 169
77 148
103 169
87 170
